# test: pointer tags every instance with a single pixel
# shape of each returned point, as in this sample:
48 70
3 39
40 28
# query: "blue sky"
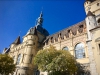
16 16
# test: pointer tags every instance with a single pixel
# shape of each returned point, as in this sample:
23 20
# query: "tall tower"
91 23
32 42
94 7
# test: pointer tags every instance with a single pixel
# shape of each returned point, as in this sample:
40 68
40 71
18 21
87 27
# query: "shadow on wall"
83 69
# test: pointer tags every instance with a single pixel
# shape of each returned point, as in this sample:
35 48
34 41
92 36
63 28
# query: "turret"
31 42
90 23
31 37
87 5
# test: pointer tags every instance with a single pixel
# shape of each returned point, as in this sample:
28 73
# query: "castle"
82 40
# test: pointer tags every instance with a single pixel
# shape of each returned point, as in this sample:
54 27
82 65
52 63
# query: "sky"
18 16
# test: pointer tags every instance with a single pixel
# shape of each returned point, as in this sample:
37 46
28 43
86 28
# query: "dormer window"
99 21
98 4
81 26
59 34
69 31
51 39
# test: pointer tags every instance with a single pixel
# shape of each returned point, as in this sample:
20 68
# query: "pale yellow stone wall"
71 43
30 44
92 7
27 48
95 47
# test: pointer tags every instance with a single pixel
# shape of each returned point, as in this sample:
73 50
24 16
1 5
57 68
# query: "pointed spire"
17 41
90 14
40 19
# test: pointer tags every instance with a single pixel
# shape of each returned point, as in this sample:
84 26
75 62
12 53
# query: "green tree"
55 61
6 64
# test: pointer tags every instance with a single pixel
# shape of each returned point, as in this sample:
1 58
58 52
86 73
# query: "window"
99 46
79 51
81 26
99 20
31 58
65 48
98 4
52 41
69 31
18 59
34 43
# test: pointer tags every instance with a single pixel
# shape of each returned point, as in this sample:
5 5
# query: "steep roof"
32 31
65 32
17 41
90 14
90 0
87 0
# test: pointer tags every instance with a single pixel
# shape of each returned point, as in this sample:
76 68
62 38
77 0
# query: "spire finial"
41 14
40 19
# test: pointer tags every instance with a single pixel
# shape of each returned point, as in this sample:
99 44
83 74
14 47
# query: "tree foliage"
6 64
55 61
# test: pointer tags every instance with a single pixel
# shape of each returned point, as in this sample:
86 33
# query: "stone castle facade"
82 40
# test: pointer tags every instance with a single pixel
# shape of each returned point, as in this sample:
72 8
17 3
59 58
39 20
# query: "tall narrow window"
31 58
99 21
98 4
18 59
79 51
99 46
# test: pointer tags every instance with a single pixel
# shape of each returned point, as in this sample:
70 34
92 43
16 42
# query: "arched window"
18 59
99 20
79 51
65 48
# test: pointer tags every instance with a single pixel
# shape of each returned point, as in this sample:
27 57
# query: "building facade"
82 40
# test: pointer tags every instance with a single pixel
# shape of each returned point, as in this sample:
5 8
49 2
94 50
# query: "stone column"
91 58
